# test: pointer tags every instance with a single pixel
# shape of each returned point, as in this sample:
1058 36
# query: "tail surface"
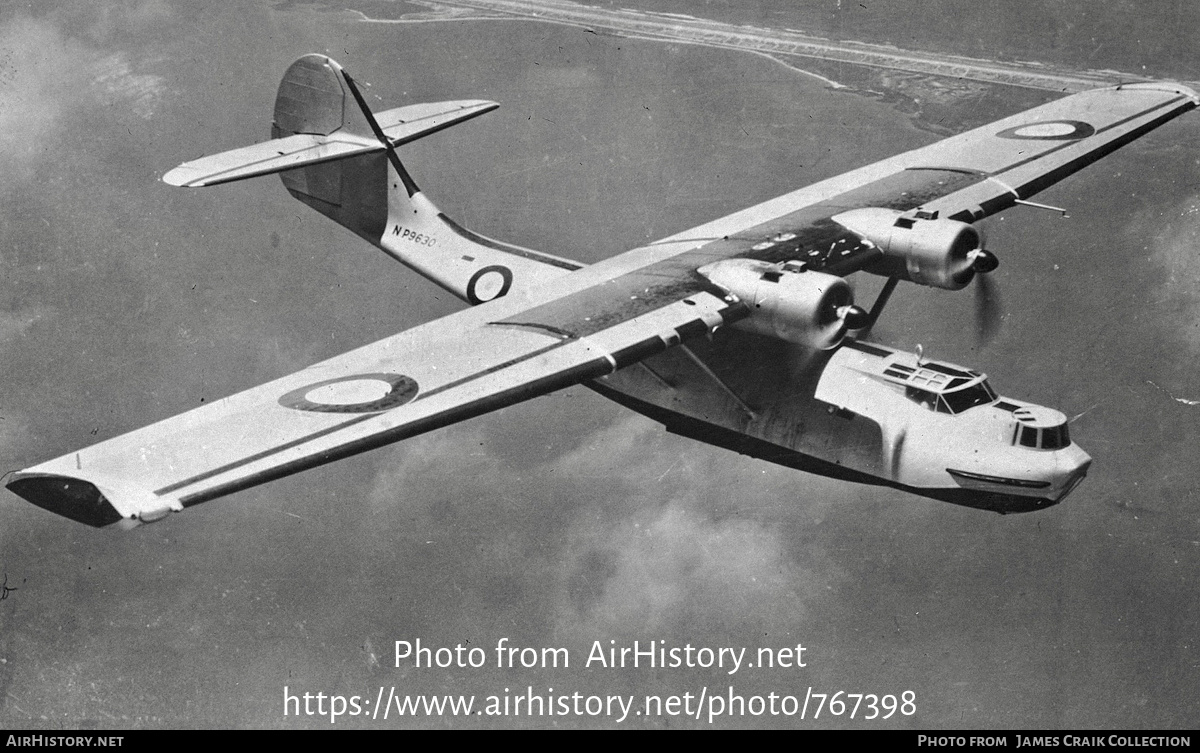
339 158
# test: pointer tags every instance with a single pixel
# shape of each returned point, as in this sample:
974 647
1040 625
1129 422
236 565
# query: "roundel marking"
1050 130
489 283
359 393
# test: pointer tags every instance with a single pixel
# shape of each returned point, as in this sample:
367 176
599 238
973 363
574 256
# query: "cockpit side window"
921 397
1029 437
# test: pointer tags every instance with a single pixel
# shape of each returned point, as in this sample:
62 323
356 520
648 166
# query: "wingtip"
181 176
1166 86
72 498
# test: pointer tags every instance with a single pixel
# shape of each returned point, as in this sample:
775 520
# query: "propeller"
988 310
853 317
976 261
840 314
983 261
979 263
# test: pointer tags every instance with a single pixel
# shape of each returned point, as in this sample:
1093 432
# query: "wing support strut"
881 300
1026 202
750 413
1036 205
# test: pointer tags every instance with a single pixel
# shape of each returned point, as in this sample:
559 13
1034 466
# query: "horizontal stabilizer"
401 125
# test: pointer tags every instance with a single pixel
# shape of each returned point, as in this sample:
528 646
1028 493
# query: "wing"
965 177
424 378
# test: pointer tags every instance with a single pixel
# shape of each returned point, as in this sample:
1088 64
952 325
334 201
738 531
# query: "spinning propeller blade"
989 312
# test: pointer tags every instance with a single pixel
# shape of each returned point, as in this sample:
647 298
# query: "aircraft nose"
1073 464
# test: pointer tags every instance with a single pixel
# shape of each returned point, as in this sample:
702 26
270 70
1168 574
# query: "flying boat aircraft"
698 330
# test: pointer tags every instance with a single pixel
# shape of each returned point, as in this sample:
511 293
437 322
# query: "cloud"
115 83
681 549
14 426
1173 239
631 531
40 74
108 20
46 74
14 324
676 569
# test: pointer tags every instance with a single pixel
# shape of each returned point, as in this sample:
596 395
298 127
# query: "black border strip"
639 351
1017 482
541 328
694 328
868 348
495 245
260 455
491 370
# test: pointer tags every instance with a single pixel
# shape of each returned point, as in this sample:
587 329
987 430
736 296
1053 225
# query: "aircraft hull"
765 407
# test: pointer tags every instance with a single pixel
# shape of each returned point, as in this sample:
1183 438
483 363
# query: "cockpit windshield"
977 394
954 402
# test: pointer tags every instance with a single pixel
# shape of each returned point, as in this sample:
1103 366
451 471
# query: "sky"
569 521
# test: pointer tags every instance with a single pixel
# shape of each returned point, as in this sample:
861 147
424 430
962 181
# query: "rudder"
312 99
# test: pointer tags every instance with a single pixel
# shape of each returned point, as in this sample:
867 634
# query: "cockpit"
943 388
957 401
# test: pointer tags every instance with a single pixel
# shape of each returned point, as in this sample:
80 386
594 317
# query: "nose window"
1053 438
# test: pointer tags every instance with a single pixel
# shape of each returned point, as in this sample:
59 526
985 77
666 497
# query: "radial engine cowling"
936 252
813 309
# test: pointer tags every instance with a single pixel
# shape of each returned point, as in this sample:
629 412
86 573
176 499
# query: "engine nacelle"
813 309
935 252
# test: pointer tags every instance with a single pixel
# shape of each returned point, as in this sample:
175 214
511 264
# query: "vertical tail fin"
313 99
374 195
339 158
